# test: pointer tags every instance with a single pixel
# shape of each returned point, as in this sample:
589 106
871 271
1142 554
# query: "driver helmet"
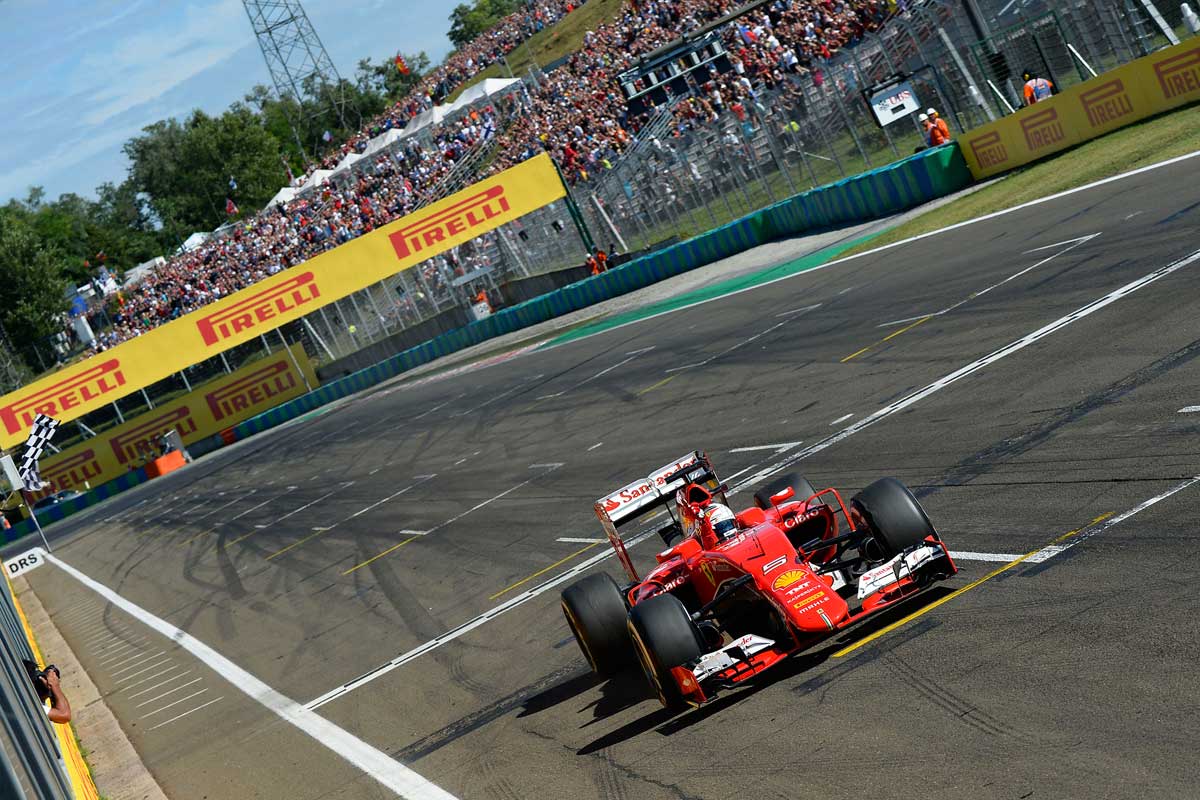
721 520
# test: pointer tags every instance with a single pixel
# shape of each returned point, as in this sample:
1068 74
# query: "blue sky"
80 78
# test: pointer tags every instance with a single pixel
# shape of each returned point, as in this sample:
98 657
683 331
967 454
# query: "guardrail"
41 761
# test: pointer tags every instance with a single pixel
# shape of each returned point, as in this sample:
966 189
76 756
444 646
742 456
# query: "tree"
32 290
468 21
385 81
184 168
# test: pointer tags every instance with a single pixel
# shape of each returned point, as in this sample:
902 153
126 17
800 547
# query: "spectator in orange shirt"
1036 89
939 123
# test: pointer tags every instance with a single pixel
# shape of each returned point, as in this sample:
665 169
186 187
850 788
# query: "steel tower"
296 59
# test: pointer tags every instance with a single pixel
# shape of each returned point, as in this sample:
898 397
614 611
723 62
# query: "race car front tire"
596 614
801 488
896 519
664 636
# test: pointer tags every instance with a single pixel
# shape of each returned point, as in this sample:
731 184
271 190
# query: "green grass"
551 43
1167 136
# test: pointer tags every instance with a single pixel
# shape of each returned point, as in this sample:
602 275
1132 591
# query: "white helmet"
721 520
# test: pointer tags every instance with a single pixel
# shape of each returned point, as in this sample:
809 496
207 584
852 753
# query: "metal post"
295 363
225 363
186 383
321 342
120 416
361 318
976 95
146 397
608 221
329 329
1152 10
1080 59
266 344
584 234
33 516
837 98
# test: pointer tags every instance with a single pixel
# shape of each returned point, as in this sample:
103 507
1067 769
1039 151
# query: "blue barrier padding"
66 509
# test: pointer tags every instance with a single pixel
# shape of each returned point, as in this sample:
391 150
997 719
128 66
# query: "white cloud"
149 64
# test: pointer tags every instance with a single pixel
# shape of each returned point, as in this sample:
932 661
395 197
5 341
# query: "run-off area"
410 557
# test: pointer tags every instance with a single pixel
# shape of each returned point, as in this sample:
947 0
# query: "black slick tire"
664 636
896 519
596 614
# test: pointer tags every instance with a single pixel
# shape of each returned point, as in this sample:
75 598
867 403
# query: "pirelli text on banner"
203 412
1132 92
282 298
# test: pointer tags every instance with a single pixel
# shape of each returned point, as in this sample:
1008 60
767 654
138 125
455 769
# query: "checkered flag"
43 430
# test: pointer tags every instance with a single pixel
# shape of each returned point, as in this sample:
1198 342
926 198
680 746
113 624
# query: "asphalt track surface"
321 552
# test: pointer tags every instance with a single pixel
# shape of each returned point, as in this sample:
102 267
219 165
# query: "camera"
38 676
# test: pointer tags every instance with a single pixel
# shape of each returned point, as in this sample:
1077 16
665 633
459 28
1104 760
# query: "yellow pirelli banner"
1150 85
282 298
201 413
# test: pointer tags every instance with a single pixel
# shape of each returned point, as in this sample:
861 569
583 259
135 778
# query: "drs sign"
19 565
893 101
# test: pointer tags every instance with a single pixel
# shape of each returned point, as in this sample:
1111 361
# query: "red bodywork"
766 549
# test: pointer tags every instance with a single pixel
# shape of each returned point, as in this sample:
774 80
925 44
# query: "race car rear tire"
798 483
664 636
896 519
596 614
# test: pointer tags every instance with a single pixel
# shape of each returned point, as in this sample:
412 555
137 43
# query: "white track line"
1051 551
768 471
776 447
375 763
882 248
991 358
966 555
163 681
192 682
840 420
1073 243
729 350
548 467
579 540
174 703
1189 410
184 714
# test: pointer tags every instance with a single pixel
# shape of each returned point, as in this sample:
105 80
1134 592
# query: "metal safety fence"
811 127
31 764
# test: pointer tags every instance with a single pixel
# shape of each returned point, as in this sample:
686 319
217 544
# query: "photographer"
46 683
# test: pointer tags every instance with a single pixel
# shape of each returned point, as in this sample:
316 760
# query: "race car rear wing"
645 496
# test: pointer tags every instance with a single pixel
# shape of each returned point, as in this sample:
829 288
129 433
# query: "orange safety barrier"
164 464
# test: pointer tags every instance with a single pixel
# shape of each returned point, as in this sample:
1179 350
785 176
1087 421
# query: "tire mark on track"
988 459
957 708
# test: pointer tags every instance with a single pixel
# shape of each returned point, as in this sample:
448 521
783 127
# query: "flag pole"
33 516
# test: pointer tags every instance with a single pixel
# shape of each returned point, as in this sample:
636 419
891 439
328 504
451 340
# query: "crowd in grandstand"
576 113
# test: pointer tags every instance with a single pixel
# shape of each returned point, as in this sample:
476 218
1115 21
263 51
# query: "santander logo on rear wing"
631 500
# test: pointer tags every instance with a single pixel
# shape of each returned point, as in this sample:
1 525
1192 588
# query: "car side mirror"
786 494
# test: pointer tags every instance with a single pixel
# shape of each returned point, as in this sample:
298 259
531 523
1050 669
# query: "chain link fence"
687 175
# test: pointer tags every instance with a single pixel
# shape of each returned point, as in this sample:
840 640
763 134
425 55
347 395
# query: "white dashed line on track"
840 420
184 714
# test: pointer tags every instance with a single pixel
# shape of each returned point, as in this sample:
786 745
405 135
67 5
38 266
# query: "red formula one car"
734 594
